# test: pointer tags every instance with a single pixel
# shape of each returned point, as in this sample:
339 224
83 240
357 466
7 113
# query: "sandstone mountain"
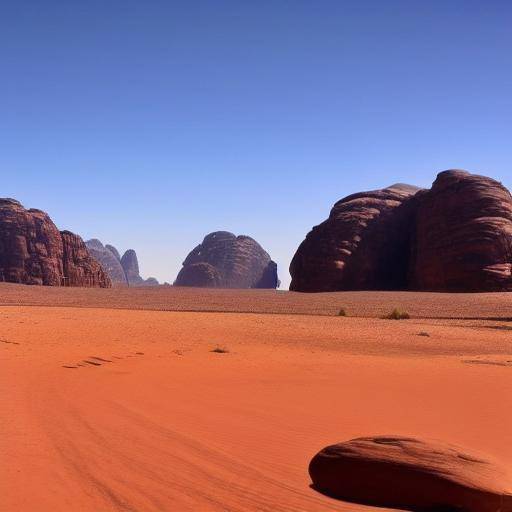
108 260
457 236
34 251
224 260
123 271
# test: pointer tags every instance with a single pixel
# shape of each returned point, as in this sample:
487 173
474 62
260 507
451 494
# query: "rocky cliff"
457 236
34 251
224 260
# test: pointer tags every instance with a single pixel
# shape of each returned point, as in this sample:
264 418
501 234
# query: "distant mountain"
224 260
123 271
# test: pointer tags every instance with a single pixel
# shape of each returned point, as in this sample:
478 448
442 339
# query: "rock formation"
361 246
114 251
122 271
457 236
108 260
34 251
411 474
463 235
224 260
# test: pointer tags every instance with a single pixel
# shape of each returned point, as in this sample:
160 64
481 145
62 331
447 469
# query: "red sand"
157 422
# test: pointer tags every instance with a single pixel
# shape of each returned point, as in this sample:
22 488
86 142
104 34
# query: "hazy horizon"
148 126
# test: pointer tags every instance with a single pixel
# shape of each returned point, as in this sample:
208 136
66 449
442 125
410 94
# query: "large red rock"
79 268
224 260
411 474
457 236
463 235
34 251
363 245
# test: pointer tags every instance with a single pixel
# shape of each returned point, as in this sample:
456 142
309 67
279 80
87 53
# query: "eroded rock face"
457 236
114 251
463 235
34 251
224 260
108 260
130 264
363 245
411 474
79 267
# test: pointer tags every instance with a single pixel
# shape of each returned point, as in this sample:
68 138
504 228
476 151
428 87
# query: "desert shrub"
424 333
342 312
397 314
220 350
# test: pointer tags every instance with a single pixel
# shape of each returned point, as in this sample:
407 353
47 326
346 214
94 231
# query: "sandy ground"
130 410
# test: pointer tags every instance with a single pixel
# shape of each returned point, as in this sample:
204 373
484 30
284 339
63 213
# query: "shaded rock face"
457 236
108 260
130 264
363 245
114 251
411 474
224 260
463 236
34 251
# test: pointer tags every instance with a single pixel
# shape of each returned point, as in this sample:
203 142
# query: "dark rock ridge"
457 236
411 474
34 251
108 260
122 271
224 260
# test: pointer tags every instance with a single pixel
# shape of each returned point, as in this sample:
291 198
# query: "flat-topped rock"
224 260
411 474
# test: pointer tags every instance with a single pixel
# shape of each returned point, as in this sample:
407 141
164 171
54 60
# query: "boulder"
411 474
363 245
34 251
108 260
224 260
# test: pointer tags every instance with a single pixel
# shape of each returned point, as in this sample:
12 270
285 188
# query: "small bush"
220 350
397 314
424 333
342 312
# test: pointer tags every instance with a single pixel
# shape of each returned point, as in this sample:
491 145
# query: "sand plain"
112 401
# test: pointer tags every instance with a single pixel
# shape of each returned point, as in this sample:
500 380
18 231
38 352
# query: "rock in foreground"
224 260
411 474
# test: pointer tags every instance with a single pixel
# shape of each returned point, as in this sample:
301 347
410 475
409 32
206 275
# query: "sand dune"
130 410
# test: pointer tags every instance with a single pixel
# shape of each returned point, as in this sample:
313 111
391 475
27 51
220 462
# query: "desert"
130 404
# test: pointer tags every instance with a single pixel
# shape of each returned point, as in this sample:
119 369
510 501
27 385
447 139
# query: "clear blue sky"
148 124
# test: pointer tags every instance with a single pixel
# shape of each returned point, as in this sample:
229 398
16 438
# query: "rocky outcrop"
80 269
363 245
224 260
122 271
457 236
34 251
463 235
411 474
108 260
114 251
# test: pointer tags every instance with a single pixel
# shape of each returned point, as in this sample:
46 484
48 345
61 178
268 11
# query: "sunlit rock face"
34 251
456 236
224 260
